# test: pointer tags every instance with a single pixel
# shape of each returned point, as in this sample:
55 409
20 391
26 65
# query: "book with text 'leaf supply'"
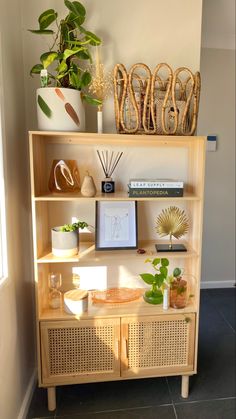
155 192
155 183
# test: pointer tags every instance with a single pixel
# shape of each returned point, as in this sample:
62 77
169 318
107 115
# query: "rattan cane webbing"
80 350
158 343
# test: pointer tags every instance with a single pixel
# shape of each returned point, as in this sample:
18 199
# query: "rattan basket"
163 102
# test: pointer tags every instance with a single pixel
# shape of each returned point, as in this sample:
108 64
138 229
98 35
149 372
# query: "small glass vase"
54 299
55 296
179 293
154 295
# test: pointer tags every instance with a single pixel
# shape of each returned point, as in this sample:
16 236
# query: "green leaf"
177 272
159 279
46 18
91 101
48 58
62 68
164 262
61 76
75 7
83 55
41 32
85 79
64 30
164 271
69 52
73 227
36 69
94 40
181 290
44 107
148 278
156 261
82 29
75 81
75 20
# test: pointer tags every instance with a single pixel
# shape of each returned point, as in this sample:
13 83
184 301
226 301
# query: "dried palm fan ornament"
170 222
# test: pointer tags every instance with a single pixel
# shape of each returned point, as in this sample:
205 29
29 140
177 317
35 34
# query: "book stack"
155 188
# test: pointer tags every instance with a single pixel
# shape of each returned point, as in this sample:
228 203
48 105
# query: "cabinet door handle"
117 348
126 347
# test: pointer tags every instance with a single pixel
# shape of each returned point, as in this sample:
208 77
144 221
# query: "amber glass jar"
179 292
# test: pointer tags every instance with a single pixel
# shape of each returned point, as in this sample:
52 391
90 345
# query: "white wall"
218 24
217 116
17 359
132 31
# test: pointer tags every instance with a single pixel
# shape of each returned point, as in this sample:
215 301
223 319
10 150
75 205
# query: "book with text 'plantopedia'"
155 192
155 183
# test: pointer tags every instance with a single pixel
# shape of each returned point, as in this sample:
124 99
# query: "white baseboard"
28 396
217 284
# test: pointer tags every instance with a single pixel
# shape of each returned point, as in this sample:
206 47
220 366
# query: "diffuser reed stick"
109 161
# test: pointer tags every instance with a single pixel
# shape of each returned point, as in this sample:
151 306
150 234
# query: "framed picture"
116 225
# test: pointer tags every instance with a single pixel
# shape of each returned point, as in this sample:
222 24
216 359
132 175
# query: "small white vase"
60 109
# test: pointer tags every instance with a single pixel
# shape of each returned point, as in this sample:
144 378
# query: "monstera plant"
67 58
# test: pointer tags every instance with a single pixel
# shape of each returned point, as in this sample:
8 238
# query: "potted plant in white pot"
65 239
62 68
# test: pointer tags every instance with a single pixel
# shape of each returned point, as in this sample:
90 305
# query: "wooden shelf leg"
51 398
185 386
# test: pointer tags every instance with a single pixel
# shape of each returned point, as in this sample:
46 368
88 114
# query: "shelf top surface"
89 255
117 196
134 309
125 139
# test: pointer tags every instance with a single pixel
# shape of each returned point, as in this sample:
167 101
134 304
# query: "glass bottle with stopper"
54 283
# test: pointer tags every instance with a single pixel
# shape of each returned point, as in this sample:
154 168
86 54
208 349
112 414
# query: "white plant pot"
60 109
64 243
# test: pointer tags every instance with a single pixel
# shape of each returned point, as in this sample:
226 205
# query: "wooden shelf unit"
117 196
124 333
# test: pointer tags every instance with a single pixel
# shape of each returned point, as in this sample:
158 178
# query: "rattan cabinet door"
157 345
80 351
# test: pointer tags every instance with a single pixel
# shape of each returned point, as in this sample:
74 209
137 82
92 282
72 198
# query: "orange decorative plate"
116 295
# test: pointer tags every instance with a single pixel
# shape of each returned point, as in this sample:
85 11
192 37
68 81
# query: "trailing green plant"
70 46
75 226
156 280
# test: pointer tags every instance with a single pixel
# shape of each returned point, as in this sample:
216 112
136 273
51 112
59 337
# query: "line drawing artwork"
116 224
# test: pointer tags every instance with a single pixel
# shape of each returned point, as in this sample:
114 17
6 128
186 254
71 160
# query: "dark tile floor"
212 390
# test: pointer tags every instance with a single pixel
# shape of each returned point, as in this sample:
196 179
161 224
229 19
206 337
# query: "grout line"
176 416
172 401
205 400
219 311
112 410
226 321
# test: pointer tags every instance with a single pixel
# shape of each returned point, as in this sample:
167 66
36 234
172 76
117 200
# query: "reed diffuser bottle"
109 161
